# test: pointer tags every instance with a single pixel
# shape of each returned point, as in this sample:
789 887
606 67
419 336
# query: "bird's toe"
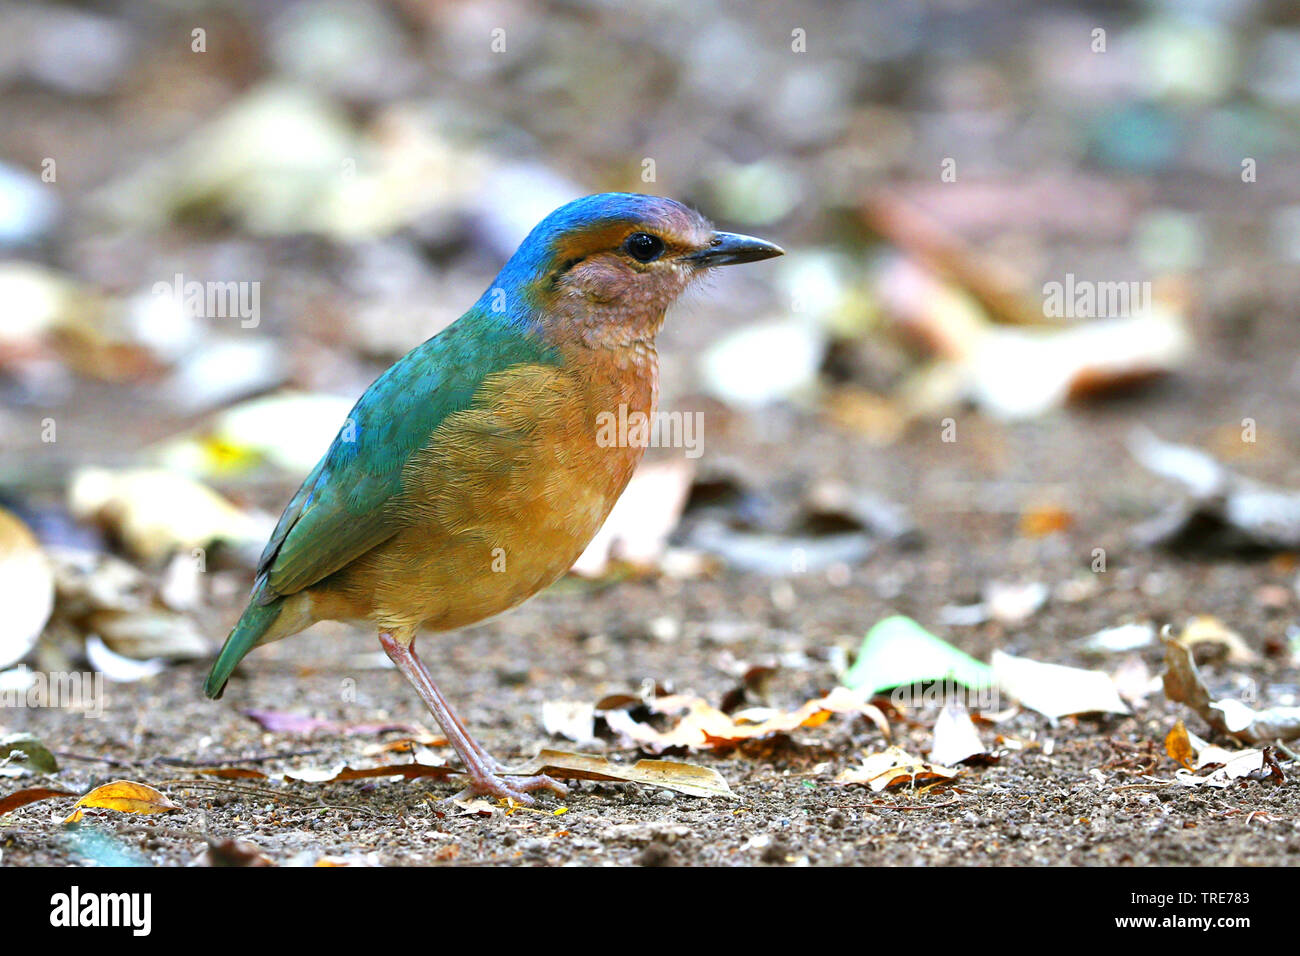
511 787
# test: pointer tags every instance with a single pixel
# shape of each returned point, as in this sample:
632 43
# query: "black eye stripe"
643 247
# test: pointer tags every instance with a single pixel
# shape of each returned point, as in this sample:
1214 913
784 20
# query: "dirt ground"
1088 798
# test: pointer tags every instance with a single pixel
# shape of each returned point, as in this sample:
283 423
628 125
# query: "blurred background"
220 220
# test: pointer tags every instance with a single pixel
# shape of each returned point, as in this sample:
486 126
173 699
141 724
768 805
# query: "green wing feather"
343 508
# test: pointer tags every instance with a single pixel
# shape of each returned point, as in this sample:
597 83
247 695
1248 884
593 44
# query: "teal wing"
345 506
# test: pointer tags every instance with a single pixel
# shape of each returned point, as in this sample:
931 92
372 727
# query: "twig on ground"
262 758
111 761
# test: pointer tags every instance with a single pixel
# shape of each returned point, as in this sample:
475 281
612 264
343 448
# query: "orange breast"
506 494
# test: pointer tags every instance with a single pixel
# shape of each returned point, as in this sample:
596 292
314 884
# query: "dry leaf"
762 361
31 795
1179 746
151 633
117 667
1134 681
955 737
1014 602
994 287
180 584
1021 372
664 774
1120 638
124 796
406 745
1228 766
1183 684
156 512
572 719
1226 512
26 589
288 429
1055 690
473 806
895 767
704 726
1207 629
100 594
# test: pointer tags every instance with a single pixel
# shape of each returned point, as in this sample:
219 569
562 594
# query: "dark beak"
729 248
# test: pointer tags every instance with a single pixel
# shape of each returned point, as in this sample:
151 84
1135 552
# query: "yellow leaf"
1178 746
124 796
1041 520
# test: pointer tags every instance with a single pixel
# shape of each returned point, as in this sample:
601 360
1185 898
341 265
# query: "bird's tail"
250 631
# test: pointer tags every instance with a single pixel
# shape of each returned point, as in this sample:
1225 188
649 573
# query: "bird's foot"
510 787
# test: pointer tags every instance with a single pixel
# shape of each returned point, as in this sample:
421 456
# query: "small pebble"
655 854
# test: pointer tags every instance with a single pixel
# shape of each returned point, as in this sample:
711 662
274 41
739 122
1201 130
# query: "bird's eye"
644 247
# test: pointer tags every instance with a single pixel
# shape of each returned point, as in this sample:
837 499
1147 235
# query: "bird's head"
605 267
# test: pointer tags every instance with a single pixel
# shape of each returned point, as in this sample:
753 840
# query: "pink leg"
483 771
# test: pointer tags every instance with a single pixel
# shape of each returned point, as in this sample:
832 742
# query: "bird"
469 475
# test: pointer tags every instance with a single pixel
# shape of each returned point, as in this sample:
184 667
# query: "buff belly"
475 573
499 504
